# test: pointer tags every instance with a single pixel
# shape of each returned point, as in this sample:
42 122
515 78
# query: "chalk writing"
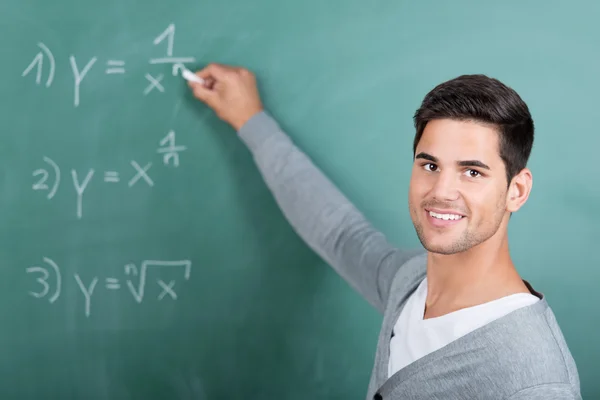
178 62
79 75
137 288
149 81
170 151
148 280
132 270
140 175
80 188
112 284
41 184
167 289
39 62
177 68
111 177
168 34
44 280
87 292
173 60
138 293
154 83
115 67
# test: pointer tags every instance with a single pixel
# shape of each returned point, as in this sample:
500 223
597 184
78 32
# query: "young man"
459 322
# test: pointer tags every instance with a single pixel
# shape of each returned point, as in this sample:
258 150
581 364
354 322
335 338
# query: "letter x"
154 83
141 174
167 289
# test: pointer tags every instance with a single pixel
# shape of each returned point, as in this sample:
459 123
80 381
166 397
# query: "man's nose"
446 186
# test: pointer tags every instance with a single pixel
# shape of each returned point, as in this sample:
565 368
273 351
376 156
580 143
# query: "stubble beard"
469 238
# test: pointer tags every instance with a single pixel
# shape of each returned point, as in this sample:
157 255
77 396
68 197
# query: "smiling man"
458 320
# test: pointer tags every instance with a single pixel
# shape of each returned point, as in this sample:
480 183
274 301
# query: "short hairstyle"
485 100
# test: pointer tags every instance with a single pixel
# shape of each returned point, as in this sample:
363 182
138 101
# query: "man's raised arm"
316 209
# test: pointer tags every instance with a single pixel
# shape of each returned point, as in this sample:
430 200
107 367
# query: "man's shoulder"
524 349
528 345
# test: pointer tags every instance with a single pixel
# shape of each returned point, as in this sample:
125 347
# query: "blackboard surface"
143 257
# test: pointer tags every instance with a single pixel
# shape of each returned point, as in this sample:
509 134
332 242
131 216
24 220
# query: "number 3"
40 280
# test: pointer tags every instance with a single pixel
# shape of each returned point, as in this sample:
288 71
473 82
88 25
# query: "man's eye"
430 167
473 174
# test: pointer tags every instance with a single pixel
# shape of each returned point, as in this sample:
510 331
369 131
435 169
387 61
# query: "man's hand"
230 91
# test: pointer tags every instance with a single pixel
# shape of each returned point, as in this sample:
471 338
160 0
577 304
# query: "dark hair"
486 100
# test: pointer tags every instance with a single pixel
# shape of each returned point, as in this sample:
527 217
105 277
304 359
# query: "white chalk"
190 76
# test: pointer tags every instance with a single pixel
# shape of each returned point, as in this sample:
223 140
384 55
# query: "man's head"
473 138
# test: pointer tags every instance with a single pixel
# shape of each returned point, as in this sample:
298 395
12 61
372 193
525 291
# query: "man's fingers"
210 83
203 93
214 71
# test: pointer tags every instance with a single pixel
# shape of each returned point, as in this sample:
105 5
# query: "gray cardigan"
522 355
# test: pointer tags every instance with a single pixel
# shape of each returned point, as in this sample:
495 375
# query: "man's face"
458 187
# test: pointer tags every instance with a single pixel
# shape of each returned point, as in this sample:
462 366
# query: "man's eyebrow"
473 163
466 163
426 156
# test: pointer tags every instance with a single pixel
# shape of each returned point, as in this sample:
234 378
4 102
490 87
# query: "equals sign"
115 67
111 176
112 283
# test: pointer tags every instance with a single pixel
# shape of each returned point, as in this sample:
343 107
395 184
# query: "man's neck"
479 275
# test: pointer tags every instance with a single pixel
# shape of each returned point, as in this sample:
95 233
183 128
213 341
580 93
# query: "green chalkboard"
142 255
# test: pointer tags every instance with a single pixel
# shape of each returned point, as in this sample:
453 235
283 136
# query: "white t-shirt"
415 337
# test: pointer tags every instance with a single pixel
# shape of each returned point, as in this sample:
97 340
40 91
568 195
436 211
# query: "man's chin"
443 248
446 243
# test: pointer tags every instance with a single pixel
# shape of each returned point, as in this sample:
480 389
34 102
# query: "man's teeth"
445 216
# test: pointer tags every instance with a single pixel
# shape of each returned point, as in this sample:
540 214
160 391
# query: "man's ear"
519 189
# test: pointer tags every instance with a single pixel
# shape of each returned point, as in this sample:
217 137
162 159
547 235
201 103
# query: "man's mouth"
445 217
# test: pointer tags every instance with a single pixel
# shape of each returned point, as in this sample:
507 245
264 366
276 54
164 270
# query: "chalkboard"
144 258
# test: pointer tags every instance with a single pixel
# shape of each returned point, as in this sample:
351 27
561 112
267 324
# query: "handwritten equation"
153 83
140 280
136 280
48 179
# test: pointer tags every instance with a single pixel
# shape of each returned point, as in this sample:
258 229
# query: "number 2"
41 184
